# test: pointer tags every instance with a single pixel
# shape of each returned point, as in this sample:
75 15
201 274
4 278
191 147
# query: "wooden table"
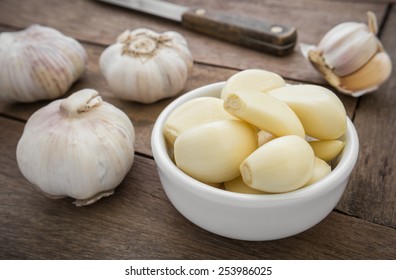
138 221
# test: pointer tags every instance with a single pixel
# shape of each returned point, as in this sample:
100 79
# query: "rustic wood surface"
139 222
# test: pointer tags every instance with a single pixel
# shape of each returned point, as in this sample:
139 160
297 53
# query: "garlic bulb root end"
91 200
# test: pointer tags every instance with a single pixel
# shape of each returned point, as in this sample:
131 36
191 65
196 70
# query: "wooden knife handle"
275 39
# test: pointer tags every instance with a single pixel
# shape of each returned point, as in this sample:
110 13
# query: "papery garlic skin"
38 63
146 66
81 147
347 47
375 72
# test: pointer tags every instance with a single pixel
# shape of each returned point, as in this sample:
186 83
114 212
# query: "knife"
256 34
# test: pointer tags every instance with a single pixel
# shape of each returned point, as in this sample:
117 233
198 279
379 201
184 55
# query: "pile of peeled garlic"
38 63
146 66
261 136
80 147
351 57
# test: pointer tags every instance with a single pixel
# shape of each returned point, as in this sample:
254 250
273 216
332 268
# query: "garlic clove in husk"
376 71
81 147
146 66
351 57
38 63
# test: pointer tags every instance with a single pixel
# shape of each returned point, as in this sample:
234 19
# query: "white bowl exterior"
246 216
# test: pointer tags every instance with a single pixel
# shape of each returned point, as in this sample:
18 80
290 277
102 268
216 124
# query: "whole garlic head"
351 57
81 147
146 66
38 63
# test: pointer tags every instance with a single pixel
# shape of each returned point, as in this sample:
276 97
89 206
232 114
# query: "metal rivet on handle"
200 12
276 29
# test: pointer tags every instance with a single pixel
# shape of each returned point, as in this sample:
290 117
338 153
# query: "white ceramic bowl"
248 216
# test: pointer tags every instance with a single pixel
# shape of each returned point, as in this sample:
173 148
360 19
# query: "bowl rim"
341 172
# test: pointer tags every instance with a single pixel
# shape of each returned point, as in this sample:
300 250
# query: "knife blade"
253 33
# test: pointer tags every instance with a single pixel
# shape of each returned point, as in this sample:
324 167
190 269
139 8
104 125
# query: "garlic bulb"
146 66
38 63
351 57
80 147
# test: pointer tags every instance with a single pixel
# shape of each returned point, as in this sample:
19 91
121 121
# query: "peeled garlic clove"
193 113
264 137
265 112
320 111
327 150
252 79
212 152
81 147
281 165
371 75
238 185
321 170
146 66
38 63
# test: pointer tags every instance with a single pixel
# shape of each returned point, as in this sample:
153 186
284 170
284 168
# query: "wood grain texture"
371 191
138 222
101 23
143 116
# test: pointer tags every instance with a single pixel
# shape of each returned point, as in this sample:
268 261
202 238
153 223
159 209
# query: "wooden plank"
84 20
371 191
138 222
142 116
